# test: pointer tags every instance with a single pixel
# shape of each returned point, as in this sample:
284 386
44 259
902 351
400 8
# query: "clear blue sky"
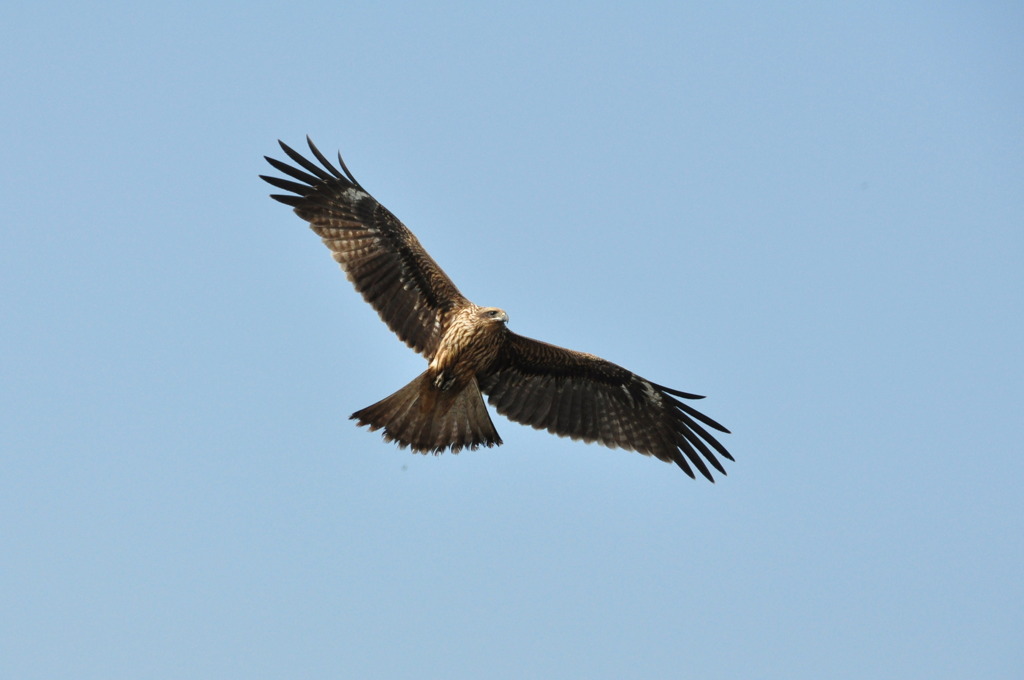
812 213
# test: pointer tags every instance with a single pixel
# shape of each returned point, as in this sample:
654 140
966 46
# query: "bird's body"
470 350
469 346
443 407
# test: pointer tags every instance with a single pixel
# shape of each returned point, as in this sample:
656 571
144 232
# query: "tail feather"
430 421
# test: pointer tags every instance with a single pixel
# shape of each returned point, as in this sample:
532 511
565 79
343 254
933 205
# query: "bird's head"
493 314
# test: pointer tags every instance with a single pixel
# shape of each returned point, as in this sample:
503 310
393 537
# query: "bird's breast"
465 350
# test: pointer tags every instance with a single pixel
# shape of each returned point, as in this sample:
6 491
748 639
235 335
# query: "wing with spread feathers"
381 257
579 395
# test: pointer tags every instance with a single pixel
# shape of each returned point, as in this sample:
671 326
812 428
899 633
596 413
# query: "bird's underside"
470 350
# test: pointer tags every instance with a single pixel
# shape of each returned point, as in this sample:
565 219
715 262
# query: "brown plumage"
470 350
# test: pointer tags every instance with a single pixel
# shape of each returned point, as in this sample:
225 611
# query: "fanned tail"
428 420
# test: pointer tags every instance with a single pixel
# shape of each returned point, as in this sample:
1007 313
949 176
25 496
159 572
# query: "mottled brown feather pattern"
380 256
471 351
582 396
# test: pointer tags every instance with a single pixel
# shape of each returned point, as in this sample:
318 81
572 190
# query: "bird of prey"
470 350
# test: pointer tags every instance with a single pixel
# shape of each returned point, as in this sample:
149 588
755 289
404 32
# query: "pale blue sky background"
811 212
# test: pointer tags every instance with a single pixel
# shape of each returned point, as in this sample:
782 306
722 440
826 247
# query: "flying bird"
470 349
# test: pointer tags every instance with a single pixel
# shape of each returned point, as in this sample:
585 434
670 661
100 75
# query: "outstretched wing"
582 396
381 257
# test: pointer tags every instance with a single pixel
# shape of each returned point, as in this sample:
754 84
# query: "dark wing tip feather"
304 162
289 200
702 434
710 422
285 184
681 462
684 395
309 172
293 171
311 178
326 163
684 448
348 173
691 441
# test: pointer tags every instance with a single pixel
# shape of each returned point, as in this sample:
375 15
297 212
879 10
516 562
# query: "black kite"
471 350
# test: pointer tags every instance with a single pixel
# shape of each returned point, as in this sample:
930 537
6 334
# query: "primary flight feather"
470 350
